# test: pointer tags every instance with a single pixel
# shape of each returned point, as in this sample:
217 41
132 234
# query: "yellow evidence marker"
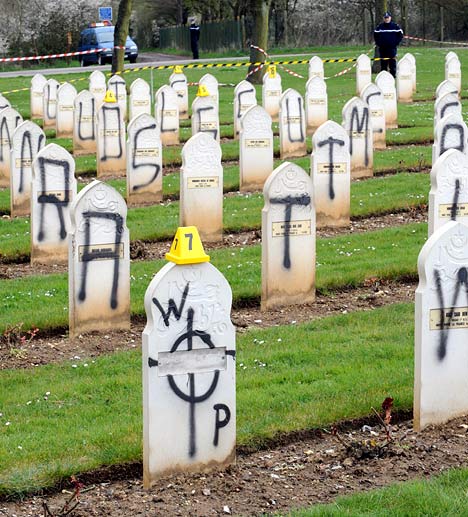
178 69
272 71
187 247
110 97
202 91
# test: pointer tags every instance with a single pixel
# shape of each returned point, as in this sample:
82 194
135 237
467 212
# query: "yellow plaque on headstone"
272 71
202 91
178 69
110 97
187 247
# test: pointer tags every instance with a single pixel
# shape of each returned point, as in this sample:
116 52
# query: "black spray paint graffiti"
4 137
111 110
51 116
456 196
198 114
135 165
81 136
106 254
330 141
177 81
46 198
460 133
362 125
446 107
239 101
28 154
191 396
289 123
289 202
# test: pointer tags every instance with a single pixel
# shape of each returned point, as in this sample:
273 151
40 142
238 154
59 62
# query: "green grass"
314 375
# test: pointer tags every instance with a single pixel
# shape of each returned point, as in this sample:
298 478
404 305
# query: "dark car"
101 36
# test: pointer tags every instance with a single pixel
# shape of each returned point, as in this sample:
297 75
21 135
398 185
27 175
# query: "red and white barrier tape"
263 64
53 56
346 70
460 43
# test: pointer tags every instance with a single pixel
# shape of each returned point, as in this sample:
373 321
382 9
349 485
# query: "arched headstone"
453 72
446 87
49 103
110 140
205 117
84 124
97 86
386 82
292 127
118 87
178 81
446 105
271 92
37 95
244 98
66 95
372 95
363 73
10 119
404 81
412 60
451 132
316 103
166 112
316 67
211 84
140 98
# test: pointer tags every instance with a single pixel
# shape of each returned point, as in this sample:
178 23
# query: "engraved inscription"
293 228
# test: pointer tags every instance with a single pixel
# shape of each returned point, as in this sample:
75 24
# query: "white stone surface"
189 387
66 95
441 329
27 140
386 82
140 98
52 192
144 161
453 72
244 98
363 73
445 87
271 94
358 125
4 103
98 87
446 105
179 83
412 60
316 103
288 238
205 118
316 67
331 175
451 133
211 84
37 94
166 112
118 87
201 187
49 103
98 261
110 140
255 149
404 80
10 119
84 124
292 125
372 95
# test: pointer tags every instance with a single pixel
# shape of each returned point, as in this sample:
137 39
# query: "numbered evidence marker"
292 128
166 112
316 103
288 238
52 192
118 87
448 198
97 86
144 161
36 96
330 167
189 348
28 139
84 124
404 80
110 139
211 84
441 327
316 67
10 119
445 105
453 72
98 261
386 82
66 95
363 73
244 98
178 81
255 149
357 123
372 95
451 133
201 187
49 104
271 92
140 98
205 118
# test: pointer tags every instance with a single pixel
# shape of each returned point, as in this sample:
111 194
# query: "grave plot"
98 87
37 95
178 81
244 98
10 119
205 118
271 92
84 123
140 98
316 103
166 112
118 87
373 97
49 103
292 127
451 132
66 95
386 82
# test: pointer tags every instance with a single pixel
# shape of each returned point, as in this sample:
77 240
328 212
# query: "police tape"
53 56
460 43
256 69
348 69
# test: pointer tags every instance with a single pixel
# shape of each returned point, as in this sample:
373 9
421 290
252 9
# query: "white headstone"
446 105
140 98
450 55
178 81
49 103
110 140
98 87
372 95
412 60
331 175
446 87
144 161
244 98
316 103
118 87
358 125
441 328
189 387
84 124
211 84
363 73
27 140
37 95
205 117
98 261
316 67
66 95
451 133
4 103
386 82
201 187
10 119
166 112
292 126
448 198
53 190
453 72
404 80
255 149
271 92
288 238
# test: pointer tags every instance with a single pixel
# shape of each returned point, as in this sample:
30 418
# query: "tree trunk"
404 15
441 23
259 11
380 8
120 35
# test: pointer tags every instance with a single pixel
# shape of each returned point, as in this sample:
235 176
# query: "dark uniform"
194 37
388 36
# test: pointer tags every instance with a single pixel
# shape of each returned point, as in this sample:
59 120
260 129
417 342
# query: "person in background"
194 37
388 36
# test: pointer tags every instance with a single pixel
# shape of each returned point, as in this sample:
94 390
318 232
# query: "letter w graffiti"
172 307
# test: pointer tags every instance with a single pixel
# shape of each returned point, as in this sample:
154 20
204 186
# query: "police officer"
388 36
194 37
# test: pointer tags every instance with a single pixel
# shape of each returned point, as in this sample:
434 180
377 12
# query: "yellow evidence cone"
187 247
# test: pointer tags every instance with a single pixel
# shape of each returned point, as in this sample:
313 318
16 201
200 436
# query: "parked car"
101 36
